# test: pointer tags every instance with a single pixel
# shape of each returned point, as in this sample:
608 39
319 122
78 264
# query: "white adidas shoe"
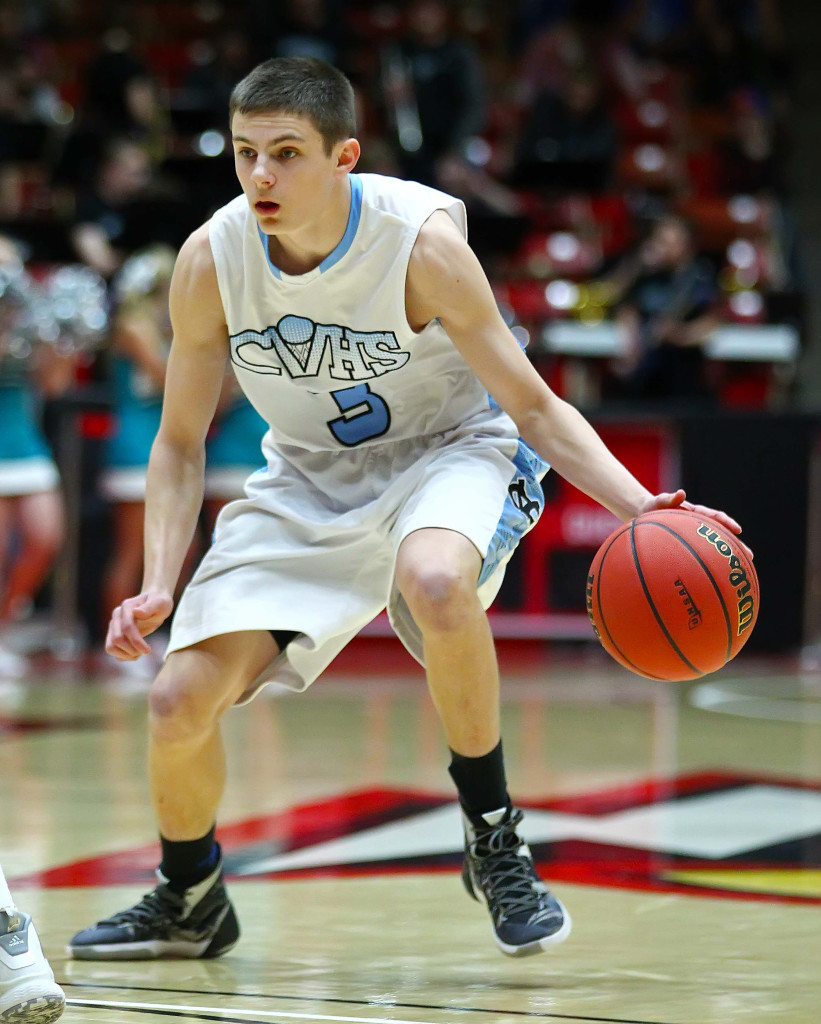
28 992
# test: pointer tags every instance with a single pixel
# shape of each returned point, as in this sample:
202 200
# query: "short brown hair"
305 86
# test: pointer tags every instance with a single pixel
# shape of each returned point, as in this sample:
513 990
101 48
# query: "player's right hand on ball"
134 619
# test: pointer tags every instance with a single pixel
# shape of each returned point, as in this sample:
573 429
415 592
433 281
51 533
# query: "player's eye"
288 154
245 153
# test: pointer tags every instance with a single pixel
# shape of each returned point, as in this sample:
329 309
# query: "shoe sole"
34 1008
528 948
148 951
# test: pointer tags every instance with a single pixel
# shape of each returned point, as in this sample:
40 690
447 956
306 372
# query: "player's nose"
263 173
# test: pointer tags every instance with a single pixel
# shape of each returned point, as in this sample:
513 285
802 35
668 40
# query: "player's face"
283 168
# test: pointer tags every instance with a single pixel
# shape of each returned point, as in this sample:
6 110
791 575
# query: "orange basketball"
672 595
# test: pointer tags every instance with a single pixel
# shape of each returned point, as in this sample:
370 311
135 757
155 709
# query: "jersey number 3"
364 416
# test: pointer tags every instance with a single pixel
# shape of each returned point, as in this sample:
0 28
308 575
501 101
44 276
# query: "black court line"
168 1013
532 1014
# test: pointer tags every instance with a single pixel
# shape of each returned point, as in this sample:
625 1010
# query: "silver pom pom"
74 313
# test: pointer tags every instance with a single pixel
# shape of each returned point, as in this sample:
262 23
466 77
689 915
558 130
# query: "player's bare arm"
174 486
445 280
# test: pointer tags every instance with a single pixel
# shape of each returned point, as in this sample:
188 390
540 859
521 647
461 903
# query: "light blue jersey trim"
345 242
523 505
264 239
353 224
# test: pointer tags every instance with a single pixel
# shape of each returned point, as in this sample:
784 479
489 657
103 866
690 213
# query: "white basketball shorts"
312 547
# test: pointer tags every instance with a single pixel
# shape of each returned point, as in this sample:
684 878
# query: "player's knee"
440 597
179 711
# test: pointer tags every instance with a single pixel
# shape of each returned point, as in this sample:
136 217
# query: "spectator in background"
666 294
100 233
751 158
296 28
556 45
568 139
739 44
121 94
217 66
30 111
307 29
660 29
433 86
121 100
31 506
433 89
141 341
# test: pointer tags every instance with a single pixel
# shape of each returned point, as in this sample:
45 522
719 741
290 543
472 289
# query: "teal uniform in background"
137 411
26 463
233 449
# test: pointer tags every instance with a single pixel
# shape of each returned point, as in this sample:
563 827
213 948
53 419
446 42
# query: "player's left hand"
678 499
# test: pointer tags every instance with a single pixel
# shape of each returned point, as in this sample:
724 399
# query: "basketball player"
28 991
362 328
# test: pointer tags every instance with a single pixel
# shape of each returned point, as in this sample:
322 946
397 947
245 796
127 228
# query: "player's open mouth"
266 206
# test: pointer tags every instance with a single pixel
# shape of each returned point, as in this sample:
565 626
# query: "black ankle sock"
480 780
188 862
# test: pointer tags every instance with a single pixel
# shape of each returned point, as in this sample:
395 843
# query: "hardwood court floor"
681 825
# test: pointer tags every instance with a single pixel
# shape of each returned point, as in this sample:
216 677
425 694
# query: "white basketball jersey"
328 358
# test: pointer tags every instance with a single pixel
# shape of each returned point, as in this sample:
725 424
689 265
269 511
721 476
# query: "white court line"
255 1014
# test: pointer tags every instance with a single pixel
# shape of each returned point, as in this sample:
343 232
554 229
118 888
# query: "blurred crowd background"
628 168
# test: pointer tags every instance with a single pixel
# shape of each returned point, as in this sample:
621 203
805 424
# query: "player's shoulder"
194 286
195 257
439 242
400 197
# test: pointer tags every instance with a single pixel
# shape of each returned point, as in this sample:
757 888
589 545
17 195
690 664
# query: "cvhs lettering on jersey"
299 347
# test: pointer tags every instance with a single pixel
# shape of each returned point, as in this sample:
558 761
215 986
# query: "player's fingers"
117 646
719 516
122 654
130 631
119 649
724 520
114 635
667 499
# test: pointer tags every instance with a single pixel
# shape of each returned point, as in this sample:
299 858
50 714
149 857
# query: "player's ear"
347 156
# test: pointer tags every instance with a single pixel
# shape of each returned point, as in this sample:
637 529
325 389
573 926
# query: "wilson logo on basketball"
689 605
737 576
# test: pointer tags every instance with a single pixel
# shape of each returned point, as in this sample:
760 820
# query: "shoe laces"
508 879
161 904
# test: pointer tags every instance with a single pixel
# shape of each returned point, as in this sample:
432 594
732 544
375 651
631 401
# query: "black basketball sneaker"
199 922
498 871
